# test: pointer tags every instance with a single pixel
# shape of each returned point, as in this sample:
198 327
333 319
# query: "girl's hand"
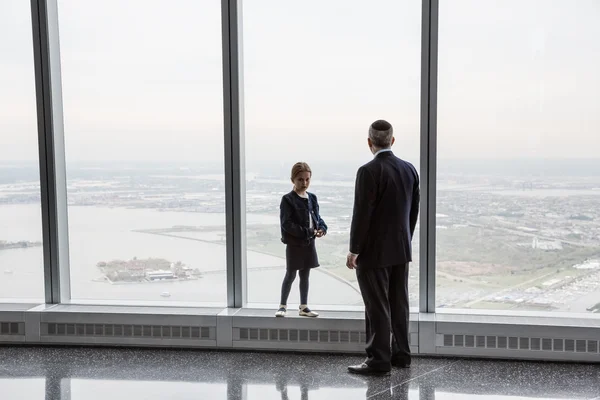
320 233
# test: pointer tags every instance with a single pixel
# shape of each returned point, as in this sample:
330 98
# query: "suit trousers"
385 294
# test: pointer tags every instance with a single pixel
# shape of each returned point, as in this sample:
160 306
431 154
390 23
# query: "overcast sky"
142 79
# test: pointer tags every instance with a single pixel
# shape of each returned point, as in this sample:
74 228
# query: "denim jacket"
294 214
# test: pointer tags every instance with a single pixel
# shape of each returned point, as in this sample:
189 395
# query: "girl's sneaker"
281 312
306 312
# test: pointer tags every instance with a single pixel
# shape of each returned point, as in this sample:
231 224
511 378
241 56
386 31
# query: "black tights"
290 275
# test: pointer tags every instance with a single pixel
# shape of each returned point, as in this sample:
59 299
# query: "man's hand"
320 233
351 261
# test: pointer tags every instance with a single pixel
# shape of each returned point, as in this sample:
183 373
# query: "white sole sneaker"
280 314
312 314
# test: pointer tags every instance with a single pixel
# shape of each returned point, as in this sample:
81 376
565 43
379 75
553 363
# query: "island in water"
23 244
146 270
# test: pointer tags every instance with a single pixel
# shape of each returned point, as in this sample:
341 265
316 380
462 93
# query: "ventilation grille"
113 330
12 328
301 335
522 343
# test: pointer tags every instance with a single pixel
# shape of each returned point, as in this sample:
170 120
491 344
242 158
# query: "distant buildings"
545 245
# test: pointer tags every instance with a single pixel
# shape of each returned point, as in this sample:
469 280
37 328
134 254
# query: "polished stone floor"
34 373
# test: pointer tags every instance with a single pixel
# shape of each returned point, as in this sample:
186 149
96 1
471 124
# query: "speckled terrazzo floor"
57 373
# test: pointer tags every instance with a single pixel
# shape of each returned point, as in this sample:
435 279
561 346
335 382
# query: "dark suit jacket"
386 207
294 212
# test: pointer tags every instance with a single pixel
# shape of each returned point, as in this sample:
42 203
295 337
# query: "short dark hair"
381 133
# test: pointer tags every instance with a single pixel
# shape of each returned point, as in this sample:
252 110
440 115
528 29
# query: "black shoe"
364 369
400 364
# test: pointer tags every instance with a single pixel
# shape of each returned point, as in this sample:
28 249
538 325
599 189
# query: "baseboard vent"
119 330
521 343
12 328
301 335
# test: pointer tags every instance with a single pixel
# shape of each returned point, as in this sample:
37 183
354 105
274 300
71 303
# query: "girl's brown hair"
299 168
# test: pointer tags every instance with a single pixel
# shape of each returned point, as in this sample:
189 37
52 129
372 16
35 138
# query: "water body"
104 233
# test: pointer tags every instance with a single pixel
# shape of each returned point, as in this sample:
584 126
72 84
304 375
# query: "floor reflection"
89 389
381 387
22 388
115 374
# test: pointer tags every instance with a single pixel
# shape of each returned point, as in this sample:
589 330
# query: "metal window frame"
235 177
53 180
53 185
429 76
52 151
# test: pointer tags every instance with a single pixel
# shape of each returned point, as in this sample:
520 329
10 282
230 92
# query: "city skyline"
503 242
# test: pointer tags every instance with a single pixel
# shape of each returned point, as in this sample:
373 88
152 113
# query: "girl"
300 225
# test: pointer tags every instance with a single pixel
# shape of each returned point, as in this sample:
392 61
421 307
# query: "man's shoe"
400 364
364 369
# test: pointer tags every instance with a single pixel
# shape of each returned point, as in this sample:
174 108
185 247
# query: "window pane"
21 256
314 82
518 172
143 129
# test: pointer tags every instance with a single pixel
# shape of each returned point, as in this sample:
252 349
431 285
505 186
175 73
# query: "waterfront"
101 233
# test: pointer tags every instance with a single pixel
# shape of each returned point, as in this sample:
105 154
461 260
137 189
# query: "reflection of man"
386 206
306 382
386 390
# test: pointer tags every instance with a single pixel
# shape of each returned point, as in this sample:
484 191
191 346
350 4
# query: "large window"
316 76
21 258
518 171
143 114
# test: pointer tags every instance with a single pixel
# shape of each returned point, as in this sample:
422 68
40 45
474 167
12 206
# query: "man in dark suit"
386 207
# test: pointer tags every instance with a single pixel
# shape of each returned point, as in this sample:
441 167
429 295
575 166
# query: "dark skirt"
301 257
